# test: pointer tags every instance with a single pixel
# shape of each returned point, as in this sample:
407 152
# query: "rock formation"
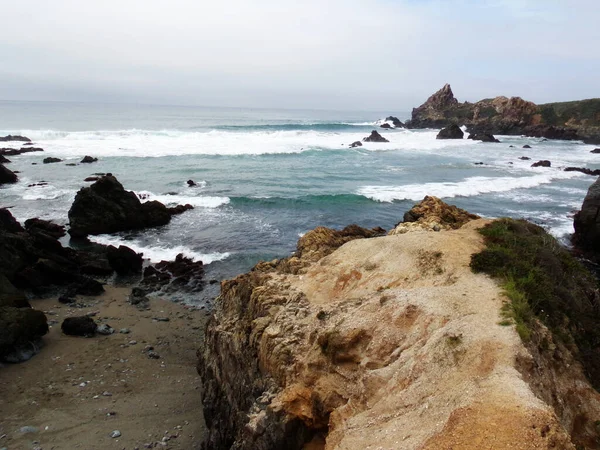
587 223
14 138
512 116
450 132
106 207
375 137
88 160
383 341
14 151
7 176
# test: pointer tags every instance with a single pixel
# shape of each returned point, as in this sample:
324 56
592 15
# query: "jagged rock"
79 326
375 137
183 273
483 137
356 144
14 138
124 260
542 163
596 150
4 160
585 170
450 132
587 223
15 151
179 209
395 121
431 213
51 160
45 226
88 159
106 207
7 176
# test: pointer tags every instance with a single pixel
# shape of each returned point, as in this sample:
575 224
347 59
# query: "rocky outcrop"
183 274
7 176
542 163
511 116
124 260
375 137
587 223
450 132
483 137
15 151
37 226
106 207
51 160
389 341
179 209
88 160
396 123
585 170
14 138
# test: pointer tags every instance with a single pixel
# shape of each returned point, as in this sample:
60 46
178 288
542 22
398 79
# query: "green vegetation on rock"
542 280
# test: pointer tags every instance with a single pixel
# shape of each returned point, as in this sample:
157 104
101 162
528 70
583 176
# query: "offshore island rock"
450 132
375 137
14 138
88 160
106 207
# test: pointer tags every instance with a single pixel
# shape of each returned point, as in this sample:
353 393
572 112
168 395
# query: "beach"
77 390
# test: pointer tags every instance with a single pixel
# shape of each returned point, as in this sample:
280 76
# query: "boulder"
179 209
36 225
7 176
596 150
483 137
385 125
14 138
124 260
375 137
51 160
15 151
585 170
20 329
587 223
527 146
191 183
88 159
79 326
450 132
542 163
356 144
106 207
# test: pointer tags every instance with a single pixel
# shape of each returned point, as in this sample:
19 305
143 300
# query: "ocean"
266 177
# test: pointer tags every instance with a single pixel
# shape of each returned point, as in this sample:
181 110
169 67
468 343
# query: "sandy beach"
77 391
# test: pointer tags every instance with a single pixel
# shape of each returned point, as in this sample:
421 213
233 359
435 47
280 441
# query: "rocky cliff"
362 341
513 116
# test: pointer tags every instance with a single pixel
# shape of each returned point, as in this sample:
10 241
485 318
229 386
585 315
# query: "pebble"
28 429
107 394
84 384
153 355
132 342
105 329
115 434
124 331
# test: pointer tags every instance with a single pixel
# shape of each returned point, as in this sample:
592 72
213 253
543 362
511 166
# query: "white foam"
196 201
465 188
159 253
47 192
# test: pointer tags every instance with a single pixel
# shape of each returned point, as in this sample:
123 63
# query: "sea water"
266 177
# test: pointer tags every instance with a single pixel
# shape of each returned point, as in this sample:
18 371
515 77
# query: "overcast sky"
326 54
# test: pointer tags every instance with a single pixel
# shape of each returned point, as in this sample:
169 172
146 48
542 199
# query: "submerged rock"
542 163
106 207
179 209
375 137
51 160
356 144
483 137
450 132
88 159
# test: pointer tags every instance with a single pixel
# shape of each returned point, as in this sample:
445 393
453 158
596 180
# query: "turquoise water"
265 177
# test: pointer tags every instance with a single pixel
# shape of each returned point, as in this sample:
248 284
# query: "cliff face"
385 342
502 115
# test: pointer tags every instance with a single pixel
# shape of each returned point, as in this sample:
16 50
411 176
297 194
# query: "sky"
326 54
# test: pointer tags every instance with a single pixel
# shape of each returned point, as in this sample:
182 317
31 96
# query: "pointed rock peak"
442 98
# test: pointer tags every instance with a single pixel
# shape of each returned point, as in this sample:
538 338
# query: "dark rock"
8 222
525 158
527 146
20 328
14 138
88 159
483 137
183 273
4 160
542 163
6 176
385 125
50 160
79 326
66 299
395 121
15 151
179 209
375 137
587 223
88 179
585 170
71 164
450 132
356 144
39 225
124 260
596 150
88 286
511 146
191 183
479 164
106 207
41 183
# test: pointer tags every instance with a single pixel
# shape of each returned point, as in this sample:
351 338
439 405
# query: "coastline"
152 399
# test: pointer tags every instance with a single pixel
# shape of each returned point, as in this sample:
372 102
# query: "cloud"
379 54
